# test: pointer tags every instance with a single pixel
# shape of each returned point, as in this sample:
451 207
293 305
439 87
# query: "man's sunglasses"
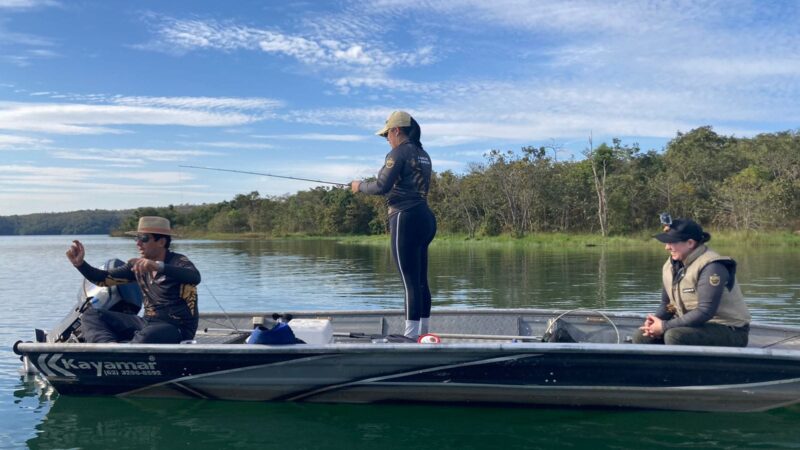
143 238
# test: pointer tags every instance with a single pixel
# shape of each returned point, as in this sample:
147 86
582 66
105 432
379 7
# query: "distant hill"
95 221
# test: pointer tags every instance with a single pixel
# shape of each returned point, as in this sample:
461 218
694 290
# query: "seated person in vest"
701 303
169 286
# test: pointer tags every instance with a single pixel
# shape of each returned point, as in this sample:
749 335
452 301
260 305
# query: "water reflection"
100 423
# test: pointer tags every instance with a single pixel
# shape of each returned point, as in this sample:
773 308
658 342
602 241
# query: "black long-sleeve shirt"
170 295
709 298
405 178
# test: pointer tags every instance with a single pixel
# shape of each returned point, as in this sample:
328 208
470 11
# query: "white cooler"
312 331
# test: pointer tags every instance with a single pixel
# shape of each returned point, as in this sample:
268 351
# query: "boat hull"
530 374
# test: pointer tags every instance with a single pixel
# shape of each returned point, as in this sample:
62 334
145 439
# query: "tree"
248 206
599 159
697 162
742 200
228 221
453 205
514 177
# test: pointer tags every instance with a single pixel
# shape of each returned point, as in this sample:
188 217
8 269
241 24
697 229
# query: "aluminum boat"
525 357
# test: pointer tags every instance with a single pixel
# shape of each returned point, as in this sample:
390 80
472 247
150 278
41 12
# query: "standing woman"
404 180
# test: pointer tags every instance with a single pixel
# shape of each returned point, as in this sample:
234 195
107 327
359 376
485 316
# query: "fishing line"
783 341
223 309
267 175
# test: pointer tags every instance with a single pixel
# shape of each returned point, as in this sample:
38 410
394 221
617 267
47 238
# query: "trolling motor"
125 298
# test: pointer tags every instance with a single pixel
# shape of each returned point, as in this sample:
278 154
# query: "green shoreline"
724 238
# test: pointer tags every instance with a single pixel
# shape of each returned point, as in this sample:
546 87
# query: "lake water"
39 286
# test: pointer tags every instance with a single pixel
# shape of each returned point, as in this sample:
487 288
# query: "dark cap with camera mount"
680 230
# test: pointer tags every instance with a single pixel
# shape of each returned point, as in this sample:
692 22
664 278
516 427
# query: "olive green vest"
683 294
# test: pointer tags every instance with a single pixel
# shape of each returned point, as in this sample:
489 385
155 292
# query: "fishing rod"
268 175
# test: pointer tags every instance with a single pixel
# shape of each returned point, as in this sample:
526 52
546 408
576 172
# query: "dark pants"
712 334
99 326
411 232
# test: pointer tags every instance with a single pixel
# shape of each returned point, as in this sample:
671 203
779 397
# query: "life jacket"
682 292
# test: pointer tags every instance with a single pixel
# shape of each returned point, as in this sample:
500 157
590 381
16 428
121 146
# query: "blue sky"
102 101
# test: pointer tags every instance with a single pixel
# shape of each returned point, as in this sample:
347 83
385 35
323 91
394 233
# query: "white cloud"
236 145
367 118
738 68
130 157
10 38
12 142
22 49
27 4
210 103
72 118
184 35
160 177
44 173
314 137
347 84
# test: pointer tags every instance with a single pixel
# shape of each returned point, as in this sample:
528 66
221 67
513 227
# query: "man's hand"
76 253
354 185
653 326
143 265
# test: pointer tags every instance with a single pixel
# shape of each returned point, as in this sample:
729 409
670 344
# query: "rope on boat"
608 319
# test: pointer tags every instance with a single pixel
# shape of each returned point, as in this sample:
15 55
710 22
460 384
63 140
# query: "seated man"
168 281
701 303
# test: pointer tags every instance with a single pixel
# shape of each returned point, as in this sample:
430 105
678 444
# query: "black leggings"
411 232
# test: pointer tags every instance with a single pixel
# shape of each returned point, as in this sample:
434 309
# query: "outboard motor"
125 298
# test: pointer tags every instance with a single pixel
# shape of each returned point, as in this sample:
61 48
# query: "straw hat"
152 225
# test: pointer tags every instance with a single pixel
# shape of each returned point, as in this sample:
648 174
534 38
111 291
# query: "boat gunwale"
22 348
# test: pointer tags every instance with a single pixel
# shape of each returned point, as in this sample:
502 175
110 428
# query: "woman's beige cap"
396 119
152 225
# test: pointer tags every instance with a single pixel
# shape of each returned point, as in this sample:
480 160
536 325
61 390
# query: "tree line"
720 181
723 182
96 221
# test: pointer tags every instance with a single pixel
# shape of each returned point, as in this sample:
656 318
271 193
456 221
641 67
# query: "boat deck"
474 326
